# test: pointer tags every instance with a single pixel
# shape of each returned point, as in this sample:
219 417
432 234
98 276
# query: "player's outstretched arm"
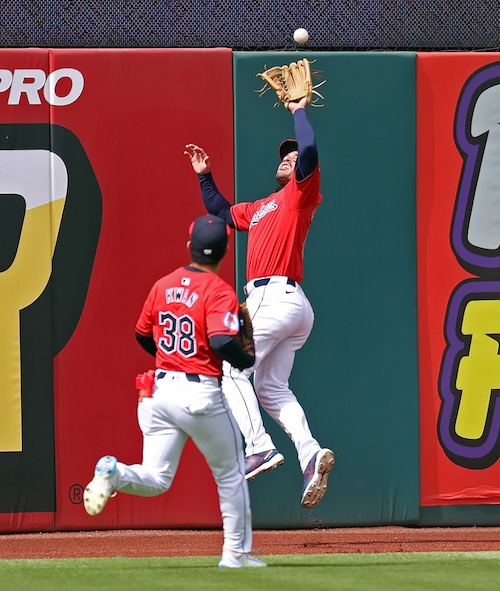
308 151
300 104
200 161
215 203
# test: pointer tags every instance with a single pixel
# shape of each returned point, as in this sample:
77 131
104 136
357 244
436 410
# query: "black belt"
190 377
266 280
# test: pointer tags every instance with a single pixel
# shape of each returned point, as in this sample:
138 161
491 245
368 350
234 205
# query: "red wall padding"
137 110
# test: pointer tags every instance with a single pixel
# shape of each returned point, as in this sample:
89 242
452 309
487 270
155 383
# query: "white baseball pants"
282 319
180 409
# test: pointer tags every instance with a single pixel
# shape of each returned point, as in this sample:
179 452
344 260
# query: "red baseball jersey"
181 312
277 228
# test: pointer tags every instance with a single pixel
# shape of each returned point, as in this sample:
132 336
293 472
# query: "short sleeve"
222 312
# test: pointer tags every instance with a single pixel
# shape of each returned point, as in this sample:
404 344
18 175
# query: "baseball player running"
189 321
281 314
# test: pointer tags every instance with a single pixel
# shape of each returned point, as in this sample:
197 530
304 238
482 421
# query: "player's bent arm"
214 201
308 150
228 349
147 343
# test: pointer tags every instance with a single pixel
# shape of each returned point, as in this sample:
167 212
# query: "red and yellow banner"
99 197
458 224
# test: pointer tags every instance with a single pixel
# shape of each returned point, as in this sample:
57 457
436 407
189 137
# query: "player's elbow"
228 349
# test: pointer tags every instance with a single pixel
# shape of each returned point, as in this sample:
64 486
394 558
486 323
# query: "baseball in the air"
301 36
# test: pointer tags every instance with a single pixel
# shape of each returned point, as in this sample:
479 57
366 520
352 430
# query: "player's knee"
272 390
163 481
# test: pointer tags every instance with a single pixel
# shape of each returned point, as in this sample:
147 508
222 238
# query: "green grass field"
471 571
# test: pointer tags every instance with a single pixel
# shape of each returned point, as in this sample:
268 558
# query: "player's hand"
200 160
300 104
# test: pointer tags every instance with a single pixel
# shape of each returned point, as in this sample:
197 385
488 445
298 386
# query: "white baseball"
301 36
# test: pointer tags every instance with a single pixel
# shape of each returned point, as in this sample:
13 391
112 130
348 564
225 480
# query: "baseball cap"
286 147
208 236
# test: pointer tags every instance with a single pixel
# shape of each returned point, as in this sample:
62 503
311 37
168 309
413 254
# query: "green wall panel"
460 515
357 375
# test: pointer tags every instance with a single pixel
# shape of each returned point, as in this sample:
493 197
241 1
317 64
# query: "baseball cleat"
100 488
262 462
316 476
229 560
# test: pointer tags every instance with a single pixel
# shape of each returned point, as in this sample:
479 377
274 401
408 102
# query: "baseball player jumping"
282 316
189 322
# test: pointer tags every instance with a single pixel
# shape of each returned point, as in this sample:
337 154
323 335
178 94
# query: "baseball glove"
245 334
292 82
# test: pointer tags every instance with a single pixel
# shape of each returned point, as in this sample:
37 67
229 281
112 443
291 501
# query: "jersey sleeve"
222 312
214 201
308 151
242 214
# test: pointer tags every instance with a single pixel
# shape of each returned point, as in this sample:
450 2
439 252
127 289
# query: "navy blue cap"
286 147
208 236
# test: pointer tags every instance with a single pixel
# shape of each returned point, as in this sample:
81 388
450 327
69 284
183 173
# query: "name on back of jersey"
180 295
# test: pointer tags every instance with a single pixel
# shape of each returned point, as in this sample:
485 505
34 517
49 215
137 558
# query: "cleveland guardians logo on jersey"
231 321
265 208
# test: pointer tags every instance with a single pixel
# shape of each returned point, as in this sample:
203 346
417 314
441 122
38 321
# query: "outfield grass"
467 571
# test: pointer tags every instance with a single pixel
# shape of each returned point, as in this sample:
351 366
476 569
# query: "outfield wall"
400 372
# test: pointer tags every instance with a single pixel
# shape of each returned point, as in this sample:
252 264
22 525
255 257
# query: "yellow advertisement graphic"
40 178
